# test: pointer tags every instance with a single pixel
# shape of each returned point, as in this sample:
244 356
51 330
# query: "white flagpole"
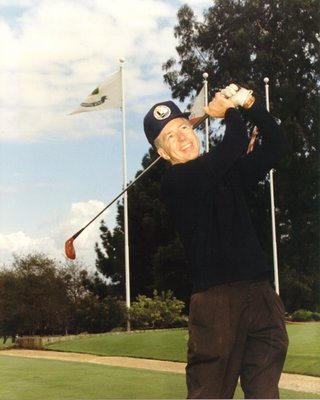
273 218
205 83
125 202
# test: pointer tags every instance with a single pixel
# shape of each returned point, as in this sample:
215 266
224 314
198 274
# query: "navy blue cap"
158 117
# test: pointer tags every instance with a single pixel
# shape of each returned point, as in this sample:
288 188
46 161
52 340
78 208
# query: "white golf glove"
230 90
239 96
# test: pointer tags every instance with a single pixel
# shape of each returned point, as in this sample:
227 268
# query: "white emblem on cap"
161 112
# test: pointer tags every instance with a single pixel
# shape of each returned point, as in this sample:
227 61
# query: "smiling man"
177 142
236 320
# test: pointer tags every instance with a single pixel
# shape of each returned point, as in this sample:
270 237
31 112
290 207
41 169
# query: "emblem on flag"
107 95
95 103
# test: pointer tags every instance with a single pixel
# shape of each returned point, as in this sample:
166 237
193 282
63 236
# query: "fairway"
35 379
303 353
304 350
41 379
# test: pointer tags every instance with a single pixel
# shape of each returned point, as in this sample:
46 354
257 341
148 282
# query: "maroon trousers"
236 330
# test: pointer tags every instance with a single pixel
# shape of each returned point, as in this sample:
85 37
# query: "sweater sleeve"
194 177
255 166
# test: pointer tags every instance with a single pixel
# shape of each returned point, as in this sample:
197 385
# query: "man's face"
177 142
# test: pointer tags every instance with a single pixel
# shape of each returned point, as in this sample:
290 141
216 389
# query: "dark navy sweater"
206 199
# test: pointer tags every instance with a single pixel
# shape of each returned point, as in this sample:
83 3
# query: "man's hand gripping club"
239 96
230 97
218 106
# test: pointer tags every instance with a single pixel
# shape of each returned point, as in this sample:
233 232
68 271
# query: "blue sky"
58 171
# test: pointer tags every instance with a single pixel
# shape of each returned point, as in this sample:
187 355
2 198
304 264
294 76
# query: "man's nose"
181 135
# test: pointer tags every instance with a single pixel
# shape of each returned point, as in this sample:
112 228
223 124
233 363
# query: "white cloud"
79 215
9 189
19 243
55 53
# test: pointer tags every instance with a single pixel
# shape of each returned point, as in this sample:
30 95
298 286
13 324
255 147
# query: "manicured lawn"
304 350
36 379
160 345
303 354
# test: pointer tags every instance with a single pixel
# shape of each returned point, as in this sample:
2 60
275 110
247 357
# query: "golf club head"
69 249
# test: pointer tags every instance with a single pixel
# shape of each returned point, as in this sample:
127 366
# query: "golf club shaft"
131 184
116 198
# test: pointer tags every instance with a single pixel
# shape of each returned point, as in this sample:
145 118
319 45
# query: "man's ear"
162 153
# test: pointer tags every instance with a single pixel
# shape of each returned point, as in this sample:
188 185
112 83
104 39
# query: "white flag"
107 95
196 111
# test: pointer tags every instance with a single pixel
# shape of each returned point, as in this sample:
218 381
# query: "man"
236 320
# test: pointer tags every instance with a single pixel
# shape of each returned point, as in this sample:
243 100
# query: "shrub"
95 315
302 316
161 311
316 316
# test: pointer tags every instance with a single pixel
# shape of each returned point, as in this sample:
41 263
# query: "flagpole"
205 83
273 218
125 200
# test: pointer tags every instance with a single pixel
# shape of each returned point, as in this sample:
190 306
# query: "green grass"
159 345
7 344
304 350
31 379
303 353
36 379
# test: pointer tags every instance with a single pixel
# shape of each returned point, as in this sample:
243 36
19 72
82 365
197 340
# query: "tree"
10 318
110 262
239 41
43 298
243 41
39 296
92 307
33 297
151 236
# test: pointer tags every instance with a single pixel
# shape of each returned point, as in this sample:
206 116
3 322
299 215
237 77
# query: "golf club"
69 247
